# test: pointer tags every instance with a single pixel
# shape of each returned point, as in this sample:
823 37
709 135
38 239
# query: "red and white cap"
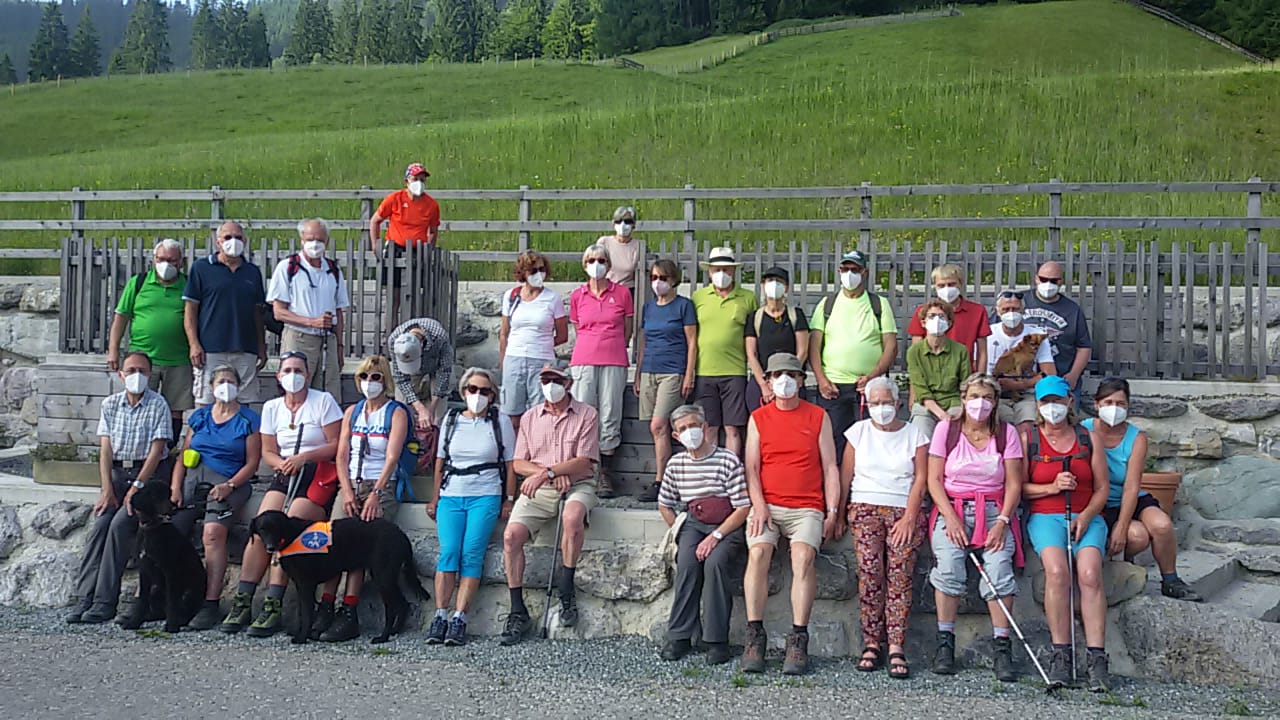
415 169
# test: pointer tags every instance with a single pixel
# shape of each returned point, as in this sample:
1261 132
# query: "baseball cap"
784 361
856 257
779 273
553 369
407 349
416 169
1051 386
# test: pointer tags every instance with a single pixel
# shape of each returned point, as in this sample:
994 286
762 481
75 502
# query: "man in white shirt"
308 294
1016 405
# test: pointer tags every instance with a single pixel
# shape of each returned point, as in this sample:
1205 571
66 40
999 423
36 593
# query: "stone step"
1207 572
1256 600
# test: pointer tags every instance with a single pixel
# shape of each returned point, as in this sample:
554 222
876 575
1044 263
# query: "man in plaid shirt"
134 429
423 367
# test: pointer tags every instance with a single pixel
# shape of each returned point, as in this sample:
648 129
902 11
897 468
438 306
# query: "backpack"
877 309
953 435
791 315
1082 438
450 426
514 300
269 320
408 460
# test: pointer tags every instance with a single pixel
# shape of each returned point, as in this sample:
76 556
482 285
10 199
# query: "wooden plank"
1246 271
1213 308
1226 305
1263 356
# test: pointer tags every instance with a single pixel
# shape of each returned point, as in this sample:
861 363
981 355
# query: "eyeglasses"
626 221
478 390
658 277
232 237
1055 281
1010 295
375 377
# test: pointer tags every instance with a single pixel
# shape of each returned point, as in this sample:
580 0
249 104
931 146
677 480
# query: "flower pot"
1163 486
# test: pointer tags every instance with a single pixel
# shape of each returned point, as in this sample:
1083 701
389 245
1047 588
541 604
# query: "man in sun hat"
422 367
412 217
723 312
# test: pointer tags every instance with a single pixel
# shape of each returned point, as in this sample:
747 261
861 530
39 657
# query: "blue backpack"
408 460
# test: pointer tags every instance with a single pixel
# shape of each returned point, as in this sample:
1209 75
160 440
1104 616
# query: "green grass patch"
383 652
151 634
695 671
1236 706
739 681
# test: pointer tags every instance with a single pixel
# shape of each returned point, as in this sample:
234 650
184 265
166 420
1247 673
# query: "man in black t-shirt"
1047 310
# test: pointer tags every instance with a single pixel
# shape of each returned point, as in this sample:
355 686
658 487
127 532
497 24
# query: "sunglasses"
375 377
232 237
787 373
478 390
542 269
626 221
658 277
1055 281
293 354
553 381
593 261
1010 295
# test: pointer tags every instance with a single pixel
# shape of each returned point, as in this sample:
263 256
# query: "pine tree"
519 30
233 27
404 33
145 48
258 47
345 31
309 39
461 28
85 56
206 37
49 57
7 74
371 35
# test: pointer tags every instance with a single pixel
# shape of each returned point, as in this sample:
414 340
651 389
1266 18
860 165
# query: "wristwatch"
717 534
138 484
551 474
379 492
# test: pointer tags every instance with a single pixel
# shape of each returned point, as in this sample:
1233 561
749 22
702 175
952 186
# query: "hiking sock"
757 624
328 598
1000 632
1169 577
566 582
275 592
247 588
1097 651
211 603
517 600
351 600
460 615
800 629
442 613
946 626
1065 647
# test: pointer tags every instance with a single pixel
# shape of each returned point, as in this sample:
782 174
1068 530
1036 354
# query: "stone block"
1257 533
1167 441
1207 572
16 385
1120 581
623 572
11 295
487 304
28 335
1260 561
1199 643
1244 408
1239 487
43 299
10 531
837 575
45 578
58 520
468 332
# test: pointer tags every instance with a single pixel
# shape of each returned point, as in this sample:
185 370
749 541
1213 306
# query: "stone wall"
28 334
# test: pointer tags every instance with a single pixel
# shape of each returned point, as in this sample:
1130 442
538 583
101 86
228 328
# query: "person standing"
1049 311
1016 405
773 328
936 367
412 217
152 308
534 322
423 367
969 319
723 311
223 316
853 338
309 295
624 252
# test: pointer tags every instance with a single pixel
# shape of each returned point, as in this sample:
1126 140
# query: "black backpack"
269 320
451 426
877 309
1082 437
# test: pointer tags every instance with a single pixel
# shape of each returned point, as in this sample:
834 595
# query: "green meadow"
1082 90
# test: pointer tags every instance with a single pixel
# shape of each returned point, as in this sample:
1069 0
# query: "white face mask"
721 279
1113 415
597 270
313 248
371 389
135 384
166 271
936 326
1011 319
850 280
691 438
232 247
785 386
882 414
948 294
417 187
774 290
1053 413
553 392
477 403
225 392
1048 291
536 279
661 288
292 382
623 229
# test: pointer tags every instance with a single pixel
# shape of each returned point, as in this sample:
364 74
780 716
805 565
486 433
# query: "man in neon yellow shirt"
852 338
723 310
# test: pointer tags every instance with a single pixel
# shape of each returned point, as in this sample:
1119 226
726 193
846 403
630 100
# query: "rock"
828 639
27 335
45 578
1177 441
29 413
1198 642
10 531
1260 561
1242 408
1262 535
487 304
623 572
11 296
14 430
58 520
16 385
1200 312
836 582
1120 581
43 299
1157 407
1237 488
468 332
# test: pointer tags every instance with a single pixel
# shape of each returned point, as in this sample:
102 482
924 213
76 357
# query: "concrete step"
1257 600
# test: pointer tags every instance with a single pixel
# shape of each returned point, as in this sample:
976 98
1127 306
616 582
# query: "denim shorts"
521 387
1050 530
951 567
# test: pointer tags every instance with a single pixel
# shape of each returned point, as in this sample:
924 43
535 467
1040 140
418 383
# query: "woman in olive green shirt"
936 367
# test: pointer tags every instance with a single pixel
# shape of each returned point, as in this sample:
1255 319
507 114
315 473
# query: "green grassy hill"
1086 90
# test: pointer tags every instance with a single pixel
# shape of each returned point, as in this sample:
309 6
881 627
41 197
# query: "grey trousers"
709 583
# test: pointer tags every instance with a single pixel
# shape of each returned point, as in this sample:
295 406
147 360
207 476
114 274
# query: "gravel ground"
54 670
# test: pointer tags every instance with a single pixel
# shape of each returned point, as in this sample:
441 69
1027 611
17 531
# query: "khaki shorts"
536 512
294 340
797 524
173 382
245 363
1017 411
659 395
363 491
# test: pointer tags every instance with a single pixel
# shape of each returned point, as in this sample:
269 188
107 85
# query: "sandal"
872 662
899 670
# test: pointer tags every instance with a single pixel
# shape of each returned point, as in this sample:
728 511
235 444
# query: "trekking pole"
551 575
1071 582
324 361
1049 686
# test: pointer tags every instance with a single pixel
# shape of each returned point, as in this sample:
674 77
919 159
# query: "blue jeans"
463 525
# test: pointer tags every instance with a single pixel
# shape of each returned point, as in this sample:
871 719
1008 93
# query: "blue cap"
1052 385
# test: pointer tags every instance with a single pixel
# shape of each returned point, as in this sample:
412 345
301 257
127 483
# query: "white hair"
593 251
472 372
881 382
168 244
302 225
686 410
624 211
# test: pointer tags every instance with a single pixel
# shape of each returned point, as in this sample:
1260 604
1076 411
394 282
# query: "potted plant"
1163 486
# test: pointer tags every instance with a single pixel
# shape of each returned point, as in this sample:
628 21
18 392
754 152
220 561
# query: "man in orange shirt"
412 217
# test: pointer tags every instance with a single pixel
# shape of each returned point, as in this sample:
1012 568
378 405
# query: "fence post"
524 216
1055 211
366 214
1254 248
216 214
77 214
864 235
690 246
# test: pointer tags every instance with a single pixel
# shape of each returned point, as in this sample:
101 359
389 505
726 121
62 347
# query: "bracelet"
1004 519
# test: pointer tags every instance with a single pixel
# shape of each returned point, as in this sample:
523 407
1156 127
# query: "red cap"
415 169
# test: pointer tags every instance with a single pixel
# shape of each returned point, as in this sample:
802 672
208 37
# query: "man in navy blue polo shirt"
223 317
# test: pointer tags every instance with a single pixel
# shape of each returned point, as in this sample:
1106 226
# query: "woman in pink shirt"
602 313
975 479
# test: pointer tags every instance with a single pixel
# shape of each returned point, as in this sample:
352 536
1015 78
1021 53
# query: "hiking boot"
944 658
208 616
518 625
605 479
648 493
436 633
346 626
457 634
76 615
718 653
675 649
1098 671
1002 660
753 653
98 613
796 661
1060 667
268 622
322 621
241 614
568 611
1179 590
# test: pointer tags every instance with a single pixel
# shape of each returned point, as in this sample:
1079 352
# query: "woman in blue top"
666 356
1135 519
223 450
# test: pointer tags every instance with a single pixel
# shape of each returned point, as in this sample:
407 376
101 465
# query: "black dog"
379 547
170 574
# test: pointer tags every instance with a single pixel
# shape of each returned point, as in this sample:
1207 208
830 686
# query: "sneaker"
77 613
1098 671
568 612
346 626
439 627
457 634
322 620
718 653
675 649
796 661
944 658
208 616
241 614
753 653
518 625
1002 659
1179 590
648 494
1060 667
98 613
268 622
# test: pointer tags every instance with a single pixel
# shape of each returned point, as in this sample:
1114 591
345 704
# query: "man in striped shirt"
422 367
711 483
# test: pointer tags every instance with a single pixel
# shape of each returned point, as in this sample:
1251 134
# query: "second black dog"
378 547
170 574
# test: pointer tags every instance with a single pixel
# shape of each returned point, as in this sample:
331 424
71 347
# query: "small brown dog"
1021 357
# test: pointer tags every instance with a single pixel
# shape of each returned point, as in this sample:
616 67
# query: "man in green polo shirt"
852 338
723 310
151 306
